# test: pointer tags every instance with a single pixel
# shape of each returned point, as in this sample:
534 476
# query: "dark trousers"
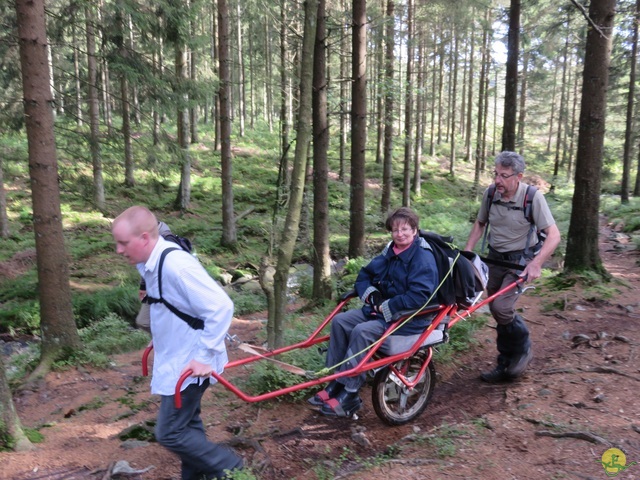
512 333
351 334
182 432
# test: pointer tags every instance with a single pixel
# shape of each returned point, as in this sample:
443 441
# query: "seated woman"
403 277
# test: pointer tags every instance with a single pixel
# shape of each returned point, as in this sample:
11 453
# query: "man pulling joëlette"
177 346
512 240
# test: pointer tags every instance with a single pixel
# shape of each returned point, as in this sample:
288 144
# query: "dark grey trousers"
182 432
351 333
512 333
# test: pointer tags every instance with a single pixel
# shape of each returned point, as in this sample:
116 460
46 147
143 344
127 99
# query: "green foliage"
33 435
622 217
121 301
443 441
244 474
105 337
267 376
461 337
143 432
248 302
96 404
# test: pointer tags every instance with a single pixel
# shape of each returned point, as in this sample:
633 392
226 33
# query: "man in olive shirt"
512 240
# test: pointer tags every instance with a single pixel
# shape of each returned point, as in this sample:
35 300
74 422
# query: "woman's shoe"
329 392
345 404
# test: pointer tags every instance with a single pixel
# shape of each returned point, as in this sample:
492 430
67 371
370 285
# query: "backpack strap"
193 322
490 193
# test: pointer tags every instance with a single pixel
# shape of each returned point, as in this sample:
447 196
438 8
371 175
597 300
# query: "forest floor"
578 400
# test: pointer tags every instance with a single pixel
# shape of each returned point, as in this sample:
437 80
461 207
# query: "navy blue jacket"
406 282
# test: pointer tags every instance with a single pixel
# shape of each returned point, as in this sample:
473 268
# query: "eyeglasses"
504 176
403 231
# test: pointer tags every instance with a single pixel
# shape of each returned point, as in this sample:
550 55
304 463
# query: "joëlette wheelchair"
402 366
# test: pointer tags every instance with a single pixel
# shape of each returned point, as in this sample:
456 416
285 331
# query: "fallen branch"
589 437
607 370
245 213
553 371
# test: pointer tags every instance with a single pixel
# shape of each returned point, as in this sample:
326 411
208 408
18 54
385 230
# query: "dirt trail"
578 400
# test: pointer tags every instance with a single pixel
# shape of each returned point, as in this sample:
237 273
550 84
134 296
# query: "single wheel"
393 402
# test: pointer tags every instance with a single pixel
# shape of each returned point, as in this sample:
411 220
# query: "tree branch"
585 14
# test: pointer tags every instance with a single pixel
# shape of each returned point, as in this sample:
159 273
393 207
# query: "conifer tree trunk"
380 82
387 161
76 75
229 228
481 97
59 334
12 436
582 240
269 75
193 76
94 111
182 74
522 110
469 121
322 285
574 109
626 157
511 82
344 72
408 108
4 219
129 179
284 117
434 70
358 127
562 111
287 241
454 94
242 97
552 115
156 103
440 86
216 70
419 123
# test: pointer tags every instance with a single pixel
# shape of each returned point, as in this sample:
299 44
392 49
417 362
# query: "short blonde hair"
140 220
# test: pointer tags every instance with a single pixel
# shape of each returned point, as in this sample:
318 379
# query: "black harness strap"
193 322
500 263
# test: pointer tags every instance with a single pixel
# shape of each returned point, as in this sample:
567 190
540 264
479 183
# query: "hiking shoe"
323 396
345 404
497 375
519 363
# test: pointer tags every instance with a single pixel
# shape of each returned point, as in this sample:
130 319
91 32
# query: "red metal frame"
369 362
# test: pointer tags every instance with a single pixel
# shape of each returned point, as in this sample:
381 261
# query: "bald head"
135 232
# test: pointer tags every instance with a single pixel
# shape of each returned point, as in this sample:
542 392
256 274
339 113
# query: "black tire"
392 400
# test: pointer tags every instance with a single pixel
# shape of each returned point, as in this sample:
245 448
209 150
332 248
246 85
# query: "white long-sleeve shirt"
187 286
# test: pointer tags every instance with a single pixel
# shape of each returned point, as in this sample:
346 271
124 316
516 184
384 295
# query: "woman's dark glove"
375 298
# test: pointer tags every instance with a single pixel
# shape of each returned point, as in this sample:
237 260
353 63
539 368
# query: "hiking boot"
519 363
497 375
322 396
345 404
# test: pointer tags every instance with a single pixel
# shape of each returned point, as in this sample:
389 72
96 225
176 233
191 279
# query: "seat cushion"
396 344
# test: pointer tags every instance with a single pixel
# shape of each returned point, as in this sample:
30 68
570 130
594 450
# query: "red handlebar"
177 401
145 360
177 398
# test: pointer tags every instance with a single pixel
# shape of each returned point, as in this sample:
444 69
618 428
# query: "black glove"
375 298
